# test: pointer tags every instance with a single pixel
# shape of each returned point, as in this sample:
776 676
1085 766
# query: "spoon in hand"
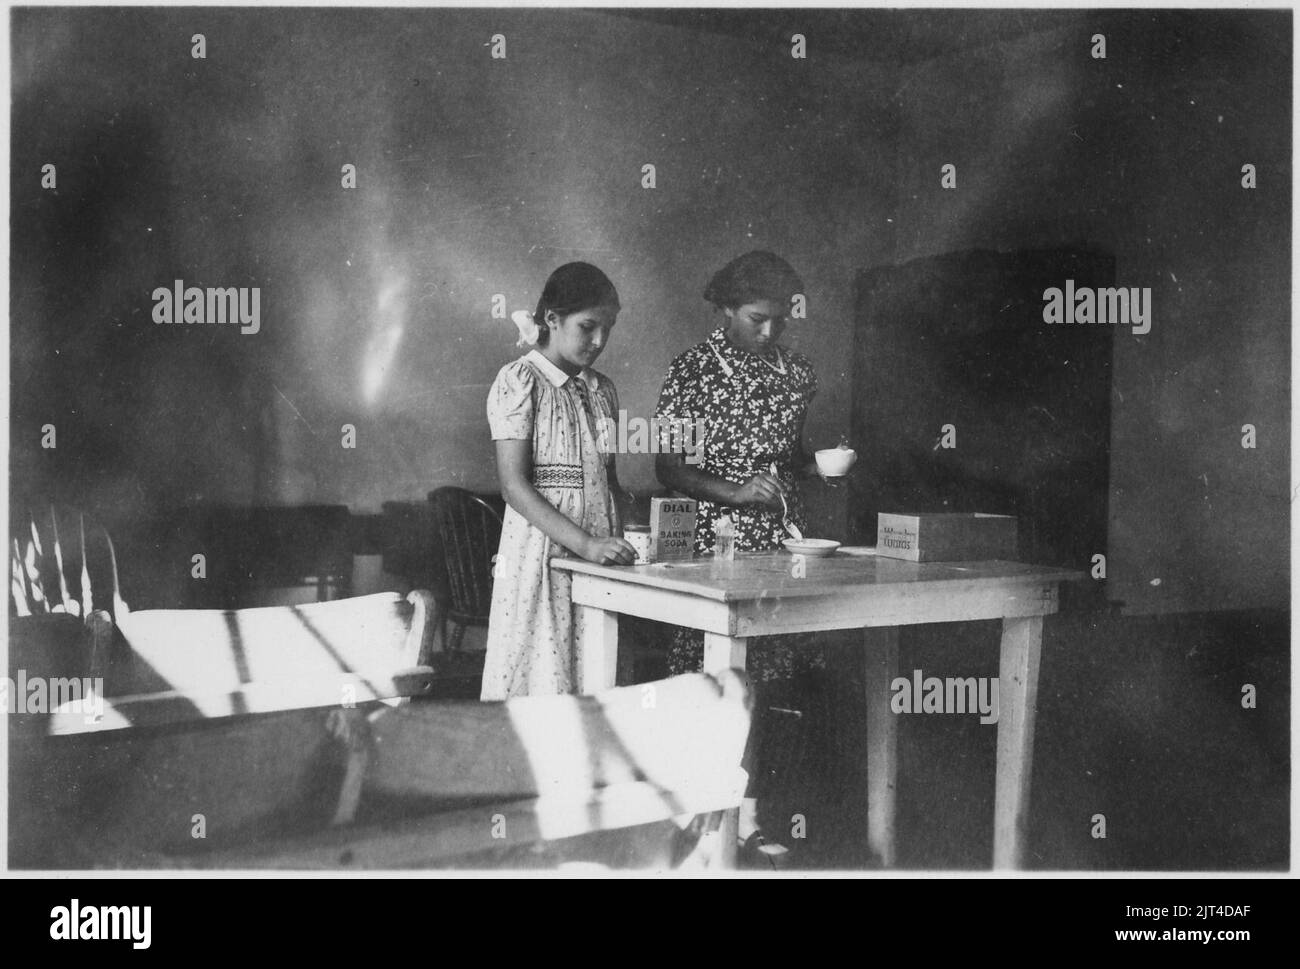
785 513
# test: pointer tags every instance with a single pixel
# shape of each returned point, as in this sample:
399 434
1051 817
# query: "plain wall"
478 176
475 177
1140 155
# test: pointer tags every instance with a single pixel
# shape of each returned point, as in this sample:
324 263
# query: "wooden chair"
63 597
469 531
224 713
418 785
61 563
59 647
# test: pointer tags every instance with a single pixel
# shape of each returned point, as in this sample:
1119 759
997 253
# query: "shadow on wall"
474 178
143 414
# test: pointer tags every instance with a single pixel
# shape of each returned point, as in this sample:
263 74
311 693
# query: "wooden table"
761 594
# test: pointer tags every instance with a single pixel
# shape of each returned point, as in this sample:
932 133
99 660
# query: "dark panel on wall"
960 340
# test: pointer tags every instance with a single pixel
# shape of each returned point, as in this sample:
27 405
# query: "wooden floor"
1140 719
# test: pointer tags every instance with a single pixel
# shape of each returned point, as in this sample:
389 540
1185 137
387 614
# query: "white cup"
639 539
835 462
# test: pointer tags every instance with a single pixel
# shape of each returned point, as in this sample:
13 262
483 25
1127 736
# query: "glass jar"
638 536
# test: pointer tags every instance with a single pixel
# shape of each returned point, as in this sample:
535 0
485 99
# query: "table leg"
1022 640
597 633
882 741
724 653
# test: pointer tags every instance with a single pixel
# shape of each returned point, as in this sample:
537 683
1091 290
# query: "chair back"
469 531
61 561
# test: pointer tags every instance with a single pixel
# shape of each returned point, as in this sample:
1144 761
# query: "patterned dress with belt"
753 410
533 635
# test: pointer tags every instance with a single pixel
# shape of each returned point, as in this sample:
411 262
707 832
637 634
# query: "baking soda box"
672 529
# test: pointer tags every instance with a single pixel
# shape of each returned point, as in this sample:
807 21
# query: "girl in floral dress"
752 395
544 409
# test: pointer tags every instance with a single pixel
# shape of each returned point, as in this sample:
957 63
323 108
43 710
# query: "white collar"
719 336
554 374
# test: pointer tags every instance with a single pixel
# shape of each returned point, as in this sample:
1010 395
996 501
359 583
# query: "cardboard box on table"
672 529
946 537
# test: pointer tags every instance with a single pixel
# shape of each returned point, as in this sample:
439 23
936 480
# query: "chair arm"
420 639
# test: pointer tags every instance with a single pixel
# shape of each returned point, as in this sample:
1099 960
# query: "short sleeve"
807 375
605 402
606 389
510 404
679 403
677 396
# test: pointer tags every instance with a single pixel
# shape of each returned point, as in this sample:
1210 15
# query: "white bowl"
834 462
815 547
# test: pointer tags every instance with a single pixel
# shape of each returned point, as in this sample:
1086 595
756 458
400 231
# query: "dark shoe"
757 852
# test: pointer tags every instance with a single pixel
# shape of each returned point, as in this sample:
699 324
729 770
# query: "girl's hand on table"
762 489
608 551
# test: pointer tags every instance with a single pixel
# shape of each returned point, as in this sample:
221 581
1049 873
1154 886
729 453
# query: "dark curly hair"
755 275
574 286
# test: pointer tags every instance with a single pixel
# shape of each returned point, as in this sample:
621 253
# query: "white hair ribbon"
527 327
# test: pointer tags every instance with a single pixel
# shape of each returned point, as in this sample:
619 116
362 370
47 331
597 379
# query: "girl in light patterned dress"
544 410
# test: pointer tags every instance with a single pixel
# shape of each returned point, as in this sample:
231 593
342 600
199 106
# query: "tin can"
638 536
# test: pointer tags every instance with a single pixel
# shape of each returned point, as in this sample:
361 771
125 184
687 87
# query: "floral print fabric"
753 416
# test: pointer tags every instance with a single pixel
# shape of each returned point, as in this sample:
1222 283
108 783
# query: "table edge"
667 583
